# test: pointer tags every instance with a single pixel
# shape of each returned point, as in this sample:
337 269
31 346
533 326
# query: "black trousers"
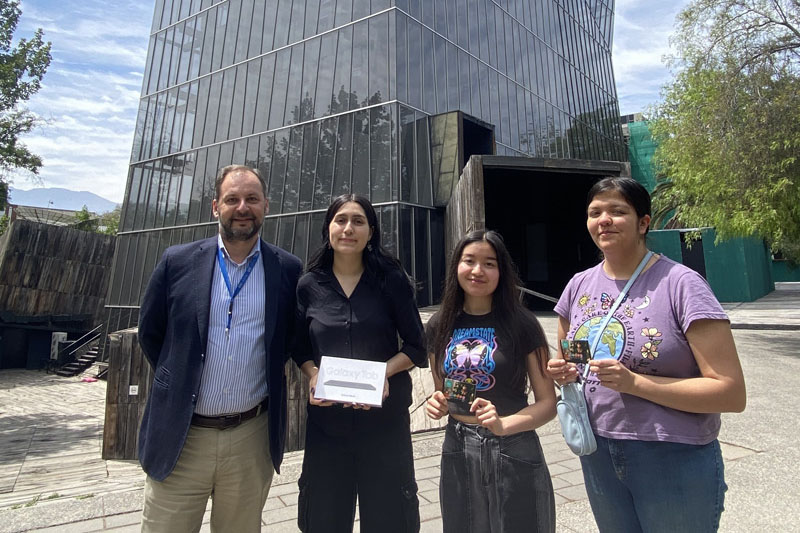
373 462
492 484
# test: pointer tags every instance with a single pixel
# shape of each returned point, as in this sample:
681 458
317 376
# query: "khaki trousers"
232 466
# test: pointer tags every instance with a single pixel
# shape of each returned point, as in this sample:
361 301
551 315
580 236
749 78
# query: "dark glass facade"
334 96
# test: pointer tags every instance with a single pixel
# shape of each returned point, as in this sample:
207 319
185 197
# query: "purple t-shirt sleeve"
694 300
562 308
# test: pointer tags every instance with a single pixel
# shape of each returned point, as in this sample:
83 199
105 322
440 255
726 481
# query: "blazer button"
194 398
202 357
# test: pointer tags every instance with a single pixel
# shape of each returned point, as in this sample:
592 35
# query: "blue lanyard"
224 269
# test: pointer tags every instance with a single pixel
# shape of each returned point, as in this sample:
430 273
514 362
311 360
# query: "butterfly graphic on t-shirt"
469 350
606 301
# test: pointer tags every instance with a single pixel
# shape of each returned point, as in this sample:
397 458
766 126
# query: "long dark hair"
516 326
377 260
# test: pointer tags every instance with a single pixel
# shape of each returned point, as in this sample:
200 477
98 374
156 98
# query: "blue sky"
90 93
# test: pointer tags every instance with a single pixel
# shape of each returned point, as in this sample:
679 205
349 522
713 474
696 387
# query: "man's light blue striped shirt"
235 371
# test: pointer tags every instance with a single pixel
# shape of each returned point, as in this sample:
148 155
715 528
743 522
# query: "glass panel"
408 183
325 160
231 30
464 82
341 78
421 253
257 31
208 42
185 192
475 87
180 118
239 152
129 207
300 244
406 240
196 48
423 152
307 174
286 233
292 111
360 9
243 35
414 64
327 13
312 15
315 232
360 173
327 61
270 23
265 146
452 77
310 73
250 95
186 30
219 35
293 169
428 75
141 203
225 104
380 157
198 182
225 154
359 84
278 171
388 220
298 21
282 23
344 12
212 165
402 59
282 62
269 231
238 109
378 59
264 95
344 145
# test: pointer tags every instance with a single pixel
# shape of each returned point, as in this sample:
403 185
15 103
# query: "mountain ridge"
60 198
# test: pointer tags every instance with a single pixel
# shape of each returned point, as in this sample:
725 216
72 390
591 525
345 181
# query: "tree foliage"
729 125
22 67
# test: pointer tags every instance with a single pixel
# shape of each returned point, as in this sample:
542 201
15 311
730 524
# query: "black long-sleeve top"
364 326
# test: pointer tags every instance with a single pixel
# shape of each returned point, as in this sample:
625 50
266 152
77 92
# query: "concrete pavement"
53 479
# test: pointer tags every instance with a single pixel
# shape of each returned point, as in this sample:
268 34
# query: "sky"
90 94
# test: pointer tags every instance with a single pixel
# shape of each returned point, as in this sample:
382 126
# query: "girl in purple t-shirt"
664 368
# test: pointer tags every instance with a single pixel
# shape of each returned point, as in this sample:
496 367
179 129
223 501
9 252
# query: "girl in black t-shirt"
493 474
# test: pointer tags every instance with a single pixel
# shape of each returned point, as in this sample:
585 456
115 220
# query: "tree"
728 128
109 221
21 70
85 220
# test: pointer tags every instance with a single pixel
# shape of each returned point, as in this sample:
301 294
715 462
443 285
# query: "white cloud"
641 40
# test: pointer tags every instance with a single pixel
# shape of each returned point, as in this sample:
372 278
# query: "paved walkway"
53 479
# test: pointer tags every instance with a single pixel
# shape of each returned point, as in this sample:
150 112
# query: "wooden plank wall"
466 210
53 270
127 366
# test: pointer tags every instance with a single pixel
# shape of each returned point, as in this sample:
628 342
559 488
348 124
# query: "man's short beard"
230 234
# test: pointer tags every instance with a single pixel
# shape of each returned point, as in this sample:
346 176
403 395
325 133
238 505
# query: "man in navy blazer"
215 323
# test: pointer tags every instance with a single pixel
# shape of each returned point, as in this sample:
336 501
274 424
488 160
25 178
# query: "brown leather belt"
229 421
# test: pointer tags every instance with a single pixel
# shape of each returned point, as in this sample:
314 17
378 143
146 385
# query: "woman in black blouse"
354 301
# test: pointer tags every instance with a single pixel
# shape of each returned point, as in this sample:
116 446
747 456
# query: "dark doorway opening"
693 257
478 138
542 218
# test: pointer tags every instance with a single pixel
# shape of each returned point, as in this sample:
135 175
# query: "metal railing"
68 352
523 291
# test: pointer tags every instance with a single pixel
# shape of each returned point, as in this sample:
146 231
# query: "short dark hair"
630 189
224 171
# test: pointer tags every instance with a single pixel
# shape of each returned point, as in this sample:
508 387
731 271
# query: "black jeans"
492 484
374 462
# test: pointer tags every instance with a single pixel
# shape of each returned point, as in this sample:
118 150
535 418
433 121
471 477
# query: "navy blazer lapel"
272 286
203 261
